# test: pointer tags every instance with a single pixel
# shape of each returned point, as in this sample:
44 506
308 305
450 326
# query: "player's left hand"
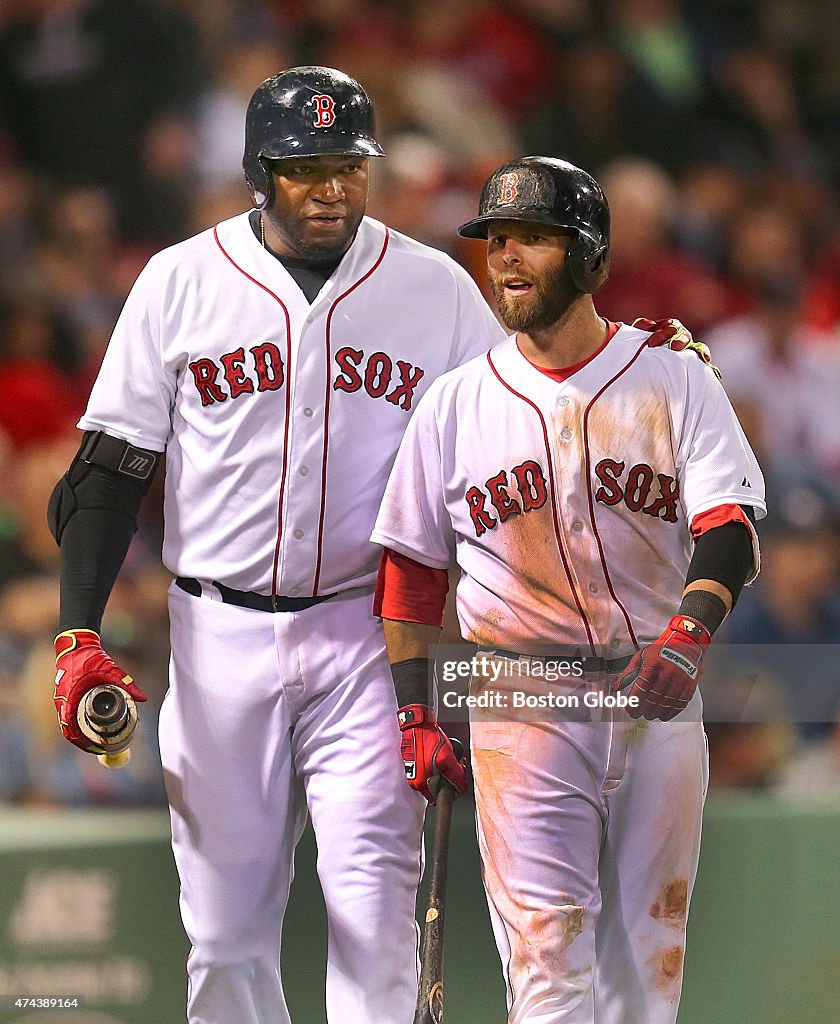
665 674
427 753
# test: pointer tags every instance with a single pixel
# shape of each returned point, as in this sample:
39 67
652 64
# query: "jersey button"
294 592
563 402
298 534
615 643
304 471
577 527
593 588
308 412
566 434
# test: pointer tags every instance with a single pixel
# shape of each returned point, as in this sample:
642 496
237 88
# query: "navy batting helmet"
306 111
545 190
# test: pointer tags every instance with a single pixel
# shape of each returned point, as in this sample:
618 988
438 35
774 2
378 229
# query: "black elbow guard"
106 473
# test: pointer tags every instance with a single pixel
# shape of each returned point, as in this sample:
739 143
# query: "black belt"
248 599
609 665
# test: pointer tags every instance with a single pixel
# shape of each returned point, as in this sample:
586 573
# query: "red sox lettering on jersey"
640 484
265 360
587 487
379 371
262 370
530 484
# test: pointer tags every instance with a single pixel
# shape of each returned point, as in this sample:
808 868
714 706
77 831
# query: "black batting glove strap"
411 715
413 681
707 608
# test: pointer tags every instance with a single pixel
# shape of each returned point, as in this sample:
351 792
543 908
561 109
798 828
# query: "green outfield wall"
88 907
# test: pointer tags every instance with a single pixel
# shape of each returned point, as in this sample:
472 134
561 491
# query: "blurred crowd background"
714 126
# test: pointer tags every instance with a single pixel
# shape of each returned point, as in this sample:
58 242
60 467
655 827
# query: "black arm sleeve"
725 555
94 544
93 516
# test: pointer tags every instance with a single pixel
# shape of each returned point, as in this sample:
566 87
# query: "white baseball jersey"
567 505
280 420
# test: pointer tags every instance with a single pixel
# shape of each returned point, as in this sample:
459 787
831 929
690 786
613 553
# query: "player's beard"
551 296
298 236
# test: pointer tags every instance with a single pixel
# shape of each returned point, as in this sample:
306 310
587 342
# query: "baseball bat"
108 716
429 1008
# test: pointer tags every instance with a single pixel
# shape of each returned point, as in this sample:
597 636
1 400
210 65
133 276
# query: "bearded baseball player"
598 495
276 360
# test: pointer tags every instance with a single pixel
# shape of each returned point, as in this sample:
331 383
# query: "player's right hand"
673 334
427 753
81 665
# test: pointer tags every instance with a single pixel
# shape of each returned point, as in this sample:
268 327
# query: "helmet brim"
478 227
341 144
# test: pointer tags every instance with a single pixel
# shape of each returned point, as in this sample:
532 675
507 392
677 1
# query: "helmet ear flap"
588 266
260 182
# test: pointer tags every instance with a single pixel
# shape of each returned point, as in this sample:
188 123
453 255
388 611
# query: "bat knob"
115 761
107 716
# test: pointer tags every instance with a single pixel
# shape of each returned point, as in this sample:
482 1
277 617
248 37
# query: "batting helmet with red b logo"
545 190
306 111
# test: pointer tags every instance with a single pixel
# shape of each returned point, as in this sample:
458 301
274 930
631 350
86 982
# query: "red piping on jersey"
610 587
557 533
343 295
277 298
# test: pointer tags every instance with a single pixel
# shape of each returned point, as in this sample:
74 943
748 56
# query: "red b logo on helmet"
508 188
324 111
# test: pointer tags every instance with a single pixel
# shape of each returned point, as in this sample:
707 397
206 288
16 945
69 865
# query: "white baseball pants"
269 716
590 835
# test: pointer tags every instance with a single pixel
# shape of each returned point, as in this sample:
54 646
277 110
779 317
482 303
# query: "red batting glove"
427 753
674 335
81 665
665 674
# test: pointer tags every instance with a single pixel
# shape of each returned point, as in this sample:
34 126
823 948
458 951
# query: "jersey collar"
526 378
245 250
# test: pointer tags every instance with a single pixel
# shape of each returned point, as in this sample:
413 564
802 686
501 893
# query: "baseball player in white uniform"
277 360
598 495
